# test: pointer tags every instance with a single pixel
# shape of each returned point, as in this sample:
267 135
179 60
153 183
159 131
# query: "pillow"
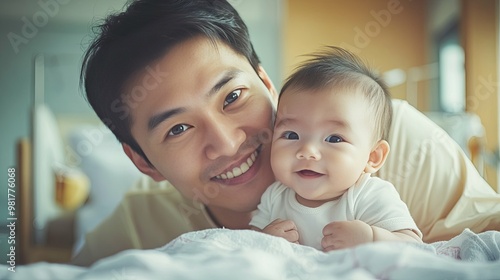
100 156
443 190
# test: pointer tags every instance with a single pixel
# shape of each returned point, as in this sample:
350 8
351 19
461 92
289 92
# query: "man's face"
206 125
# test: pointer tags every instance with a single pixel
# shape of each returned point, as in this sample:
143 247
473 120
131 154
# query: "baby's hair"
337 67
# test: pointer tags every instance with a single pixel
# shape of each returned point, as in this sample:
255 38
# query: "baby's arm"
281 228
344 234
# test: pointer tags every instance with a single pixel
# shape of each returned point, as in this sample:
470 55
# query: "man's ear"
142 164
377 156
267 82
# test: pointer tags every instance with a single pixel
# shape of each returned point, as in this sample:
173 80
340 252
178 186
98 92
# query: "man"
179 84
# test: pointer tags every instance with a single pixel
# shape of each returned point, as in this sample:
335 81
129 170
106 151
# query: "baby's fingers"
292 236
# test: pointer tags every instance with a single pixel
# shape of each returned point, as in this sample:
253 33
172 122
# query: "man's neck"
229 219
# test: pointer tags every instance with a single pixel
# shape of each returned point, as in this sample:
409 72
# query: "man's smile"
241 168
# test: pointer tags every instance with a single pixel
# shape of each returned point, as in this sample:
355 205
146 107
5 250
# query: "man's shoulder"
147 184
146 188
163 211
157 195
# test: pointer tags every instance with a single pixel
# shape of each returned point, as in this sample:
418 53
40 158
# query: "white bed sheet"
244 254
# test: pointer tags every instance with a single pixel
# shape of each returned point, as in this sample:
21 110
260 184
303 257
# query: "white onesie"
371 200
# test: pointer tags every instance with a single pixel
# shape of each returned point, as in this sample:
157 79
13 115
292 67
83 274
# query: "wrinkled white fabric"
245 254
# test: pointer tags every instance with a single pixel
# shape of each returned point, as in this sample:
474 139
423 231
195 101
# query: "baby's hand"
344 234
283 228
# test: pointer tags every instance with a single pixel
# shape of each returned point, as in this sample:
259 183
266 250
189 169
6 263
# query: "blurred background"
440 56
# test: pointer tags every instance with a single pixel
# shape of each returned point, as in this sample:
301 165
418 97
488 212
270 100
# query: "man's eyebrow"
228 76
155 120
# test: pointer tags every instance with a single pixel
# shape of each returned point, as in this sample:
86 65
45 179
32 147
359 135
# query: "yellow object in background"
72 188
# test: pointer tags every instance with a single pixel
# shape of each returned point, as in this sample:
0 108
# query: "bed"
457 211
245 254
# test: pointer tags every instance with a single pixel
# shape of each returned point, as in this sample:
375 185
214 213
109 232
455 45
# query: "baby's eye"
334 139
230 98
178 129
290 135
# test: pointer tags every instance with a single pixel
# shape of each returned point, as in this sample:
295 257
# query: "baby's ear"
377 157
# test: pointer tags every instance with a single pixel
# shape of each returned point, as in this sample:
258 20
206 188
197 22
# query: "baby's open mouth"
309 173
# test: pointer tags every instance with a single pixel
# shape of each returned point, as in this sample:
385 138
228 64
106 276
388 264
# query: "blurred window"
451 71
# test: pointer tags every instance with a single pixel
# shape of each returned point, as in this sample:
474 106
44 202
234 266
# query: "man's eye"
334 139
178 129
290 135
230 98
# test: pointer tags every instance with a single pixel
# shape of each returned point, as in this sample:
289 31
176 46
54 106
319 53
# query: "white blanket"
244 254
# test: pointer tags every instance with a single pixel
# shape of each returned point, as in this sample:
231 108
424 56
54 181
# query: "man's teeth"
238 171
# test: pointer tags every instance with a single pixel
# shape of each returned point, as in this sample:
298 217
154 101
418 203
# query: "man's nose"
224 136
309 151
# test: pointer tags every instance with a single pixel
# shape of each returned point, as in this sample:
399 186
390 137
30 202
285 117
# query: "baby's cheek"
279 162
275 156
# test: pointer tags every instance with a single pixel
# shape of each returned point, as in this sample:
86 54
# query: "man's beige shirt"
150 216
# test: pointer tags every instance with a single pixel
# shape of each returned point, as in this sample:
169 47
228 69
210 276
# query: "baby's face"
322 141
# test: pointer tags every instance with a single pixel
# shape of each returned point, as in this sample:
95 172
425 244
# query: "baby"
330 135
